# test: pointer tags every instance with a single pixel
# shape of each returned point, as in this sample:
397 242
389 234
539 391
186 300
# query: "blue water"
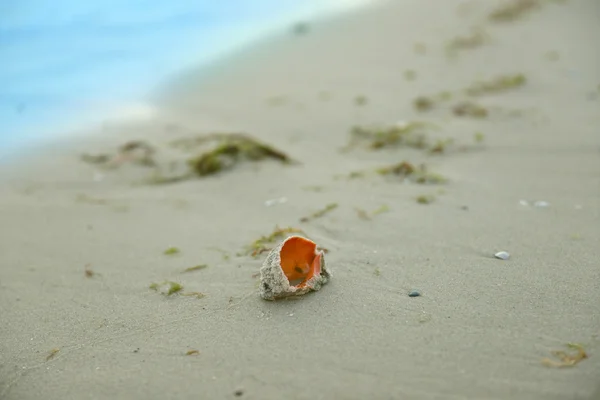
67 61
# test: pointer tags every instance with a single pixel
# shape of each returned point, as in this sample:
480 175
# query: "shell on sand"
293 268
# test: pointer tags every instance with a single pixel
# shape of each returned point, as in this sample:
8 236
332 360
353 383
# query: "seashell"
293 268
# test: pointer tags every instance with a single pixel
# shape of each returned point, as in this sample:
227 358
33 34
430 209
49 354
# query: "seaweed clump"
417 174
404 134
496 85
513 10
166 288
231 150
470 109
476 38
567 359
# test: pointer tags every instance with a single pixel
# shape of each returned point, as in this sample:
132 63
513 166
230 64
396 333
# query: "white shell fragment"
502 255
293 268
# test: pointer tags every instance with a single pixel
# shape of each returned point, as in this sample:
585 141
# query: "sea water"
64 63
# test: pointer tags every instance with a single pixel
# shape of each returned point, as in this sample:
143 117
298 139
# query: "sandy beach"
432 135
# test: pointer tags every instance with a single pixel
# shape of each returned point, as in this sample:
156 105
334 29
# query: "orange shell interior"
300 260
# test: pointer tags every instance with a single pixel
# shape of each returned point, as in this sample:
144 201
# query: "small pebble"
414 293
502 255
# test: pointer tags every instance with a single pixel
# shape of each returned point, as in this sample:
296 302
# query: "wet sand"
523 179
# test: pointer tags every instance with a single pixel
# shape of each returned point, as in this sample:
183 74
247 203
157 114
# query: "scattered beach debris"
192 352
567 359
265 243
441 145
414 293
362 214
95 158
469 109
171 251
52 353
427 103
166 288
238 393
294 267
425 199
278 200
423 103
496 85
502 255
137 152
377 271
382 209
476 38
196 268
318 214
402 134
478 137
89 273
222 151
513 10
418 174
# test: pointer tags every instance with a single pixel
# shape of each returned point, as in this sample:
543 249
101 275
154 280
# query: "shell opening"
300 260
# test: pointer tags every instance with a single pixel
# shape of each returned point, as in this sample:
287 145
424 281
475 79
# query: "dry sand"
481 327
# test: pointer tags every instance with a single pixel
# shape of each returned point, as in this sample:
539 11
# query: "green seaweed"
232 150
171 251
425 199
418 174
513 10
478 137
423 103
476 38
496 85
167 287
52 353
469 109
265 243
195 268
410 134
328 208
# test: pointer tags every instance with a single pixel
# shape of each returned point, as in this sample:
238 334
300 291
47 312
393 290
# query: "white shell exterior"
275 285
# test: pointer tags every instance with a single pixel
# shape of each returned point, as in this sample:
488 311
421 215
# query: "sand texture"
81 243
